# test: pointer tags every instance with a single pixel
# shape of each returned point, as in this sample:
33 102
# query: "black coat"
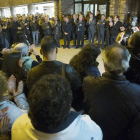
80 28
14 27
55 67
3 38
91 25
67 28
114 104
47 31
73 26
115 29
34 26
133 73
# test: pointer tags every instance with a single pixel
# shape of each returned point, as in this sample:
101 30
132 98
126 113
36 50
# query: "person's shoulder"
135 87
22 121
85 124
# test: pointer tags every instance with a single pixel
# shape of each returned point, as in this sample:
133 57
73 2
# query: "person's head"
91 15
110 18
102 17
116 18
98 12
50 101
23 19
12 63
49 48
46 19
22 48
134 42
80 17
3 85
20 37
14 19
74 16
116 59
67 19
85 58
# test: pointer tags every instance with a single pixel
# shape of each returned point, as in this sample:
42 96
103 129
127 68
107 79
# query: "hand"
4 125
12 84
3 111
20 88
34 52
136 29
25 24
111 24
120 37
80 24
97 22
19 28
48 27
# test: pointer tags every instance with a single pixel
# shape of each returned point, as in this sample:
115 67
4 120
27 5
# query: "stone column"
12 9
31 9
112 7
56 8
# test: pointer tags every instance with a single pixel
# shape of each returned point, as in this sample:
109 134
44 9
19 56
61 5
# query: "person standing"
80 31
15 26
91 27
67 28
34 28
46 27
56 30
74 20
107 30
115 29
101 30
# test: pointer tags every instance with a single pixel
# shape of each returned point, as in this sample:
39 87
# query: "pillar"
12 9
2 12
56 8
31 9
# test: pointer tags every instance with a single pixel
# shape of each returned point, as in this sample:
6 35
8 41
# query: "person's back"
49 65
112 101
50 117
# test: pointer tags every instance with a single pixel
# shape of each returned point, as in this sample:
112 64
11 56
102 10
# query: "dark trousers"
112 39
107 36
74 39
67 40
91 36
57 38
101 37
80 37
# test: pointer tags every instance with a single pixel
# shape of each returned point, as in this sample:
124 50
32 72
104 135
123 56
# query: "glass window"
86 8
78 8
95 9
77 0
92 8
102 9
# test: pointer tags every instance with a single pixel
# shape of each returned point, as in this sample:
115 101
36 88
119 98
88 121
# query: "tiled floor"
65 55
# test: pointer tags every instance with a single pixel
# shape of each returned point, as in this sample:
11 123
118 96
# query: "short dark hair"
117 17
48 44
111 17
50 101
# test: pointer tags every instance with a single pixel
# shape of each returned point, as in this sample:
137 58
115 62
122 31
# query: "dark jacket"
80 28
14 27
25 28
101 25
133 73
114 104
56 28
91 25
73 26
34 26
67 27
46 31
3 40
55 67
115 30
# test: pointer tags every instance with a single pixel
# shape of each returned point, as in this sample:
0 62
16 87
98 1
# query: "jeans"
91 36
35 37
113 39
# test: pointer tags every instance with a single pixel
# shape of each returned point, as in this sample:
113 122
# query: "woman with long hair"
12 65
85 61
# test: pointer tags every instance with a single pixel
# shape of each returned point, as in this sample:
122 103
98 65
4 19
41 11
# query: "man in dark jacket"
3 40
15 26
115 29
56 30
91 27
46 27
74 20
67 28
34 28
101 30
49 65
111 100
80 28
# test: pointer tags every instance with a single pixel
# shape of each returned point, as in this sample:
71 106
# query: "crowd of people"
76 27
47 99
